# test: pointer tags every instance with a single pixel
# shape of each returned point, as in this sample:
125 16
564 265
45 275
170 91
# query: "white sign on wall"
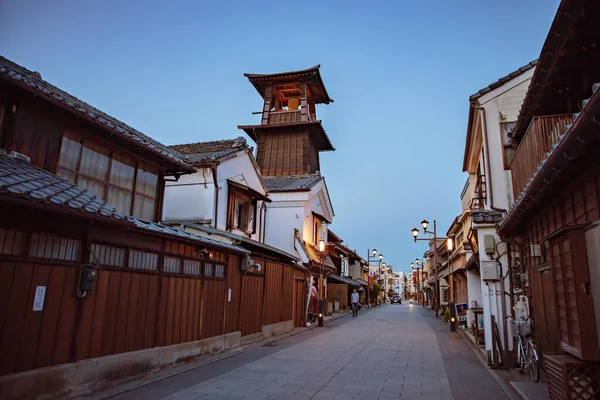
38 300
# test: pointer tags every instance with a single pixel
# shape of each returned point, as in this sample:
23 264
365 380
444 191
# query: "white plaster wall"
281 221
492 294
503 102
354 270
318 202
509 103
240 169
190 198
474 288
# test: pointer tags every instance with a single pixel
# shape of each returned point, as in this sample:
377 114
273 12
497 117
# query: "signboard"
461 312
38 300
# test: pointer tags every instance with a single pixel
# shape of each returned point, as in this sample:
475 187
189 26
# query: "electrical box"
489 244
87 278
489 270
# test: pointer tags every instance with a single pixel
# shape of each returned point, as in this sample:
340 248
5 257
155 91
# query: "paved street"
389 352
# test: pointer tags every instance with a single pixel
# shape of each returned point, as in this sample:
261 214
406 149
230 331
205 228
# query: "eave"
316 128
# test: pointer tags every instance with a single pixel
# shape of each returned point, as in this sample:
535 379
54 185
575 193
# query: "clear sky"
400 72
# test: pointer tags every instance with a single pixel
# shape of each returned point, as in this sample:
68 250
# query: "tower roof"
311 76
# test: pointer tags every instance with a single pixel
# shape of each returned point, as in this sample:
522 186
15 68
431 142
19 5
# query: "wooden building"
289 141
555 223
86 270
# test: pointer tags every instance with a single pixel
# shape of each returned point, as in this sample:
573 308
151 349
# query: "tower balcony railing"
284 117
543 132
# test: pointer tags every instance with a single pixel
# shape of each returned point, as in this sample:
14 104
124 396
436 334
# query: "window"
209 270
509 150
219 271
128 186
172 264
109 256
11 242
192 267
344 266
143 260
241 212
48 247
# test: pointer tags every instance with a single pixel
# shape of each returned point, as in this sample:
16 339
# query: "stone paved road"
390 352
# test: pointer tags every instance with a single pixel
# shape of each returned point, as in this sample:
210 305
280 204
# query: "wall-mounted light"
321 245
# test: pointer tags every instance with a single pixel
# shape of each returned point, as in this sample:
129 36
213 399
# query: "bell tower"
289 137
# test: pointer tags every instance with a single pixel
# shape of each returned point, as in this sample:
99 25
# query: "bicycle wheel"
534 366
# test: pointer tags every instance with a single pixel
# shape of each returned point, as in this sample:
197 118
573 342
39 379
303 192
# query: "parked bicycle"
527 355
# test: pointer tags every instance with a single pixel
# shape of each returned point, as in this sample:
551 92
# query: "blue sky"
400 72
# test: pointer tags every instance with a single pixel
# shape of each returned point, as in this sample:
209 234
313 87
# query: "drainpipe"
264 230
213 169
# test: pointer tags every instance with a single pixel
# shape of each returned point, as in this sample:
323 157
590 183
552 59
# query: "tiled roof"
291 183
22 180
503 80
211 151
33 82
310 75
343 279
315 256
486 216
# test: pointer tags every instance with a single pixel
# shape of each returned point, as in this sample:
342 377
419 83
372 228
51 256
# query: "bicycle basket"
522 328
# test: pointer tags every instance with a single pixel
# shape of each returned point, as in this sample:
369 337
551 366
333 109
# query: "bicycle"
527 355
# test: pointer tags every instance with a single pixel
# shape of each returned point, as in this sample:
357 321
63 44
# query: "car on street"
396 299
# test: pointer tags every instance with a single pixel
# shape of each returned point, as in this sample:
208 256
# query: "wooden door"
544 309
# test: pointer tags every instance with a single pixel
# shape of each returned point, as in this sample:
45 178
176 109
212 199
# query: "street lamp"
375 258
321 306
451 305
415 233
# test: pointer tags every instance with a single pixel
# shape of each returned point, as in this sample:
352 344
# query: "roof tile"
503 80
33 82
291 183
201 152
20 179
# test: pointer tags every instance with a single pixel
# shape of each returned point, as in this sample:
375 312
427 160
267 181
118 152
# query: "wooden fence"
132 309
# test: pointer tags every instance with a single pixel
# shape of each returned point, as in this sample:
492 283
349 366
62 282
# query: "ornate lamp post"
415 233
321 285
369 258
450 247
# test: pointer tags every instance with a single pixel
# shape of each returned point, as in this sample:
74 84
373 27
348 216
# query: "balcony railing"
284 117
542 134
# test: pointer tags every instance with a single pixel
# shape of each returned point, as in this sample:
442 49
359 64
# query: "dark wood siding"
284 153
129 309
577 204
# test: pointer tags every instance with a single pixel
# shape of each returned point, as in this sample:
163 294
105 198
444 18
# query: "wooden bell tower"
289 136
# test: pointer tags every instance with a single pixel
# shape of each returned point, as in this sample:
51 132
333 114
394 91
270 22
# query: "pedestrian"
354 301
